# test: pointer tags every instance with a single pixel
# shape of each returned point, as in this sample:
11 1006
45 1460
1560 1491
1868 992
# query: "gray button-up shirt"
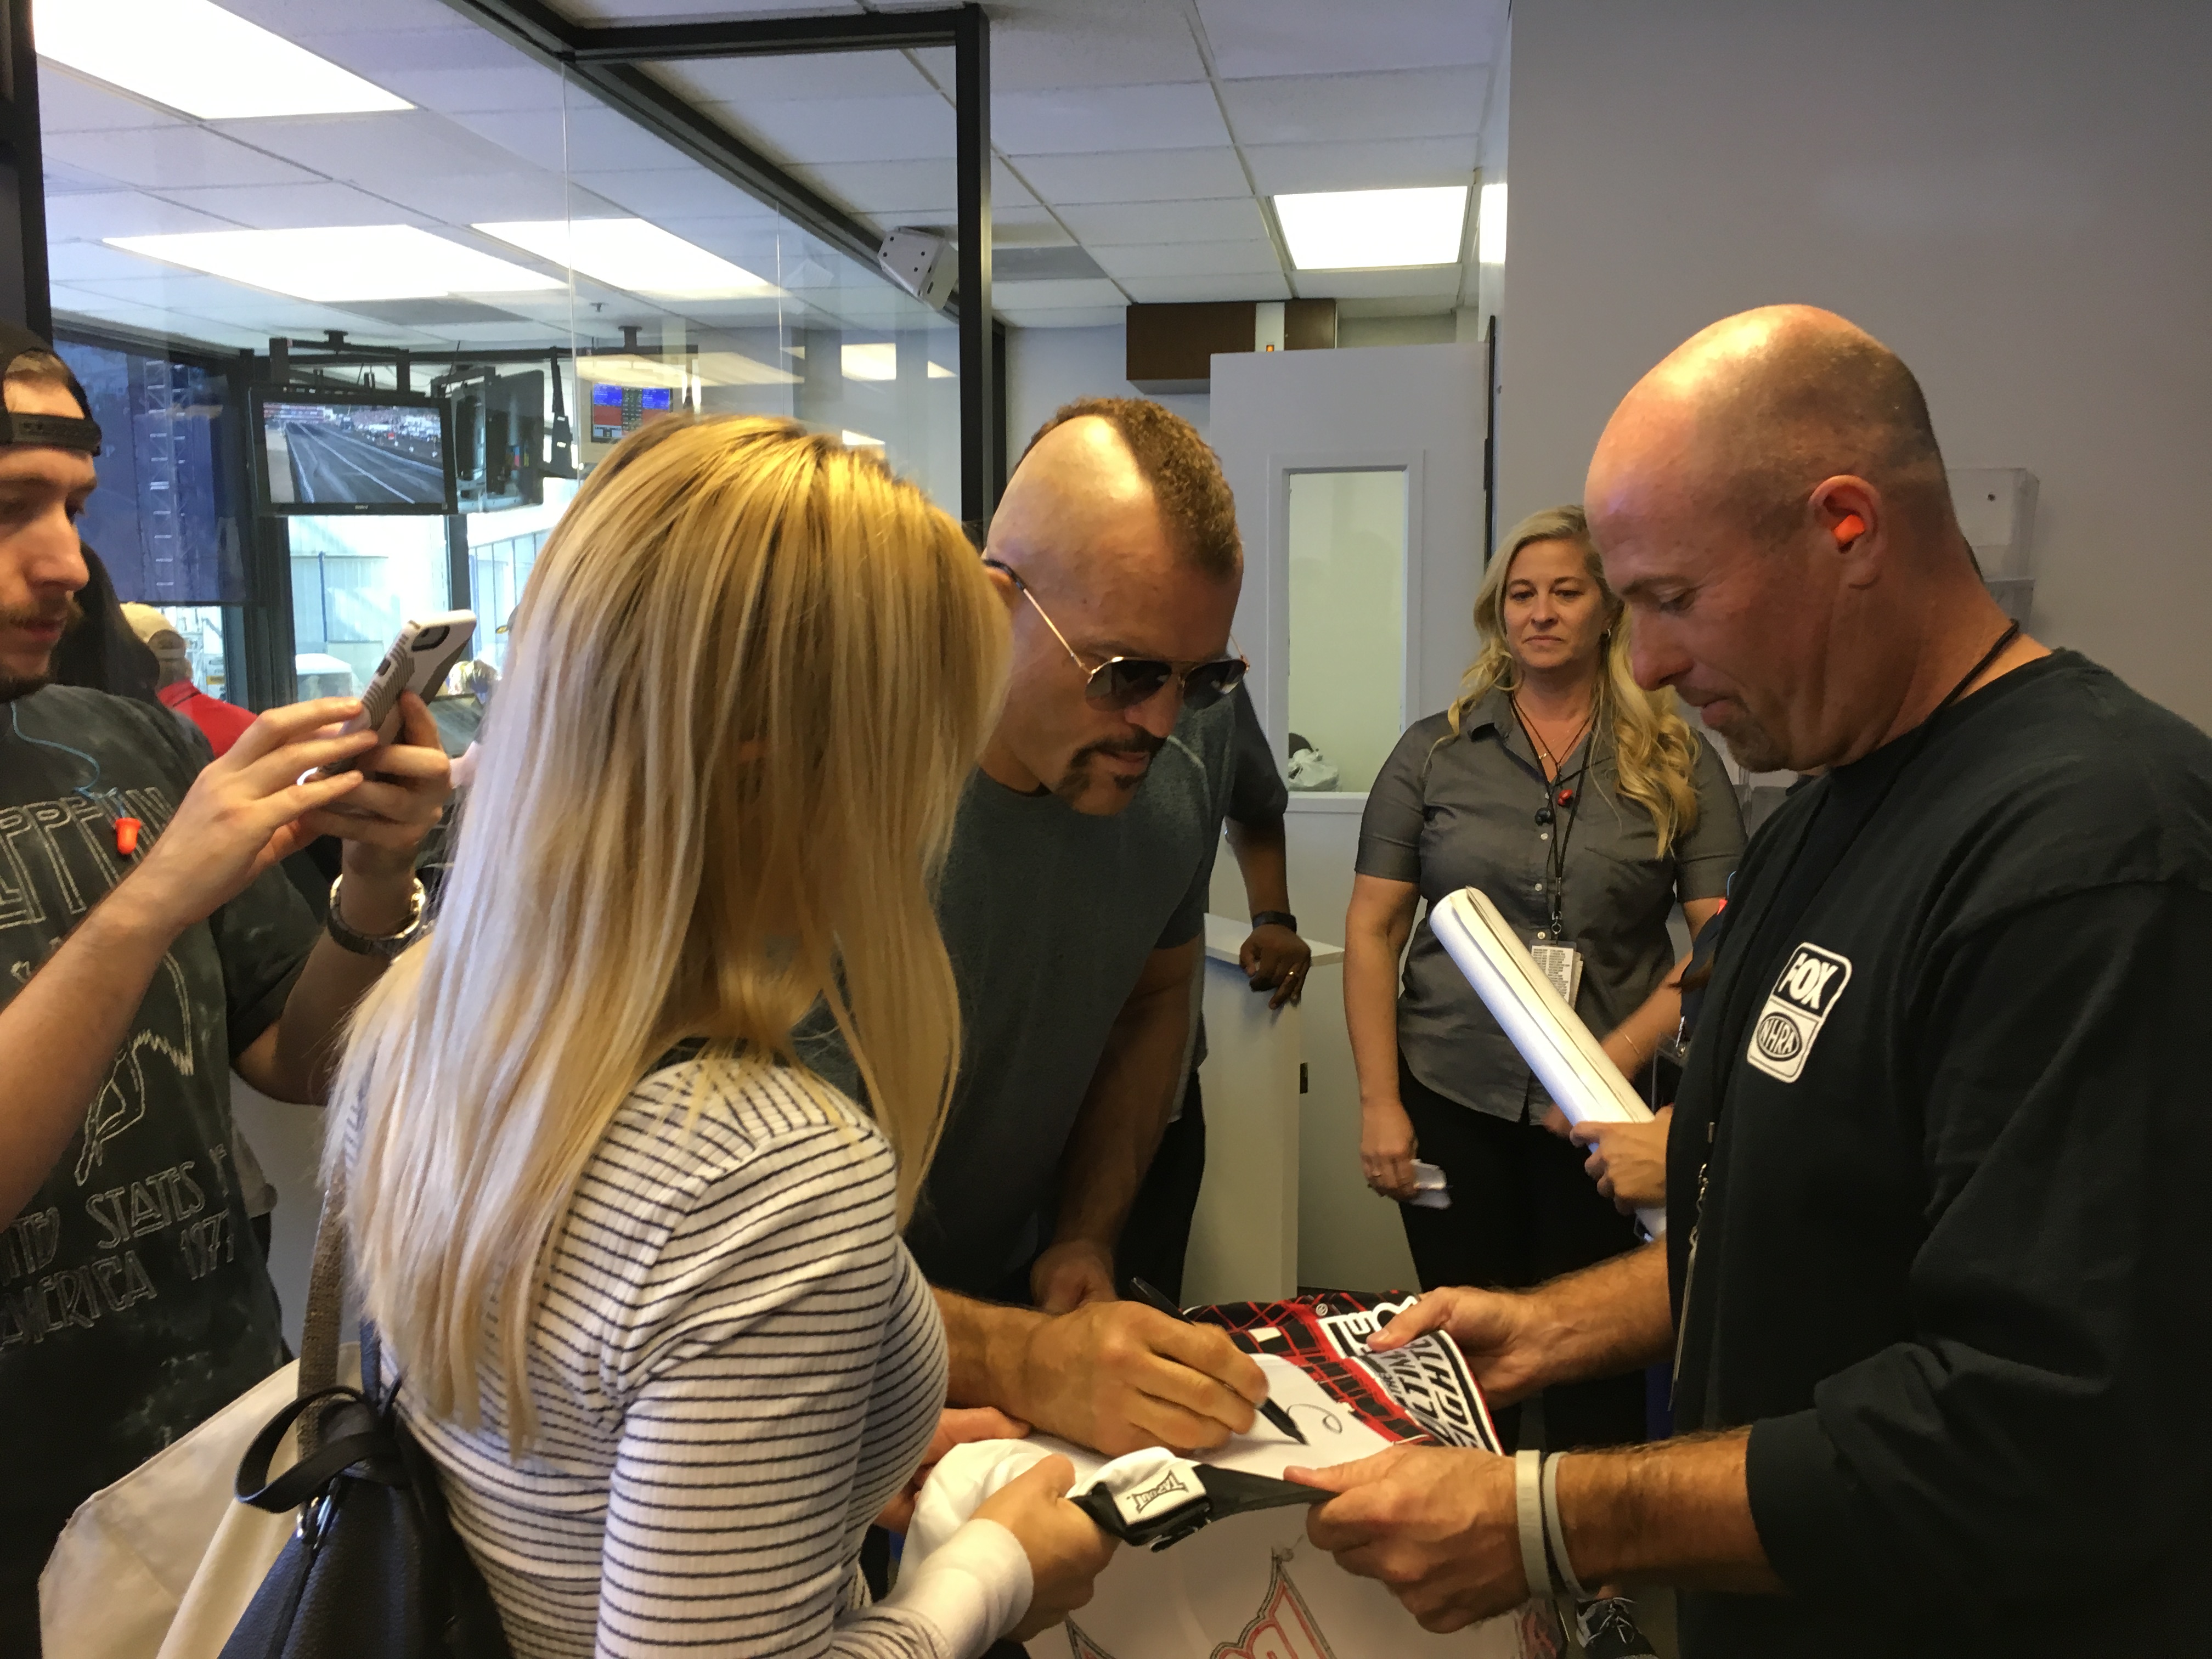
1450 812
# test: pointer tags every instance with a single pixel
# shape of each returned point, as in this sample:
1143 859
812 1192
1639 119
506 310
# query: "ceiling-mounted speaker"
921 262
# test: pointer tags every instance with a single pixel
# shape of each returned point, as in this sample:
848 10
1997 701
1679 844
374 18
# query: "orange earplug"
127 837
1848 529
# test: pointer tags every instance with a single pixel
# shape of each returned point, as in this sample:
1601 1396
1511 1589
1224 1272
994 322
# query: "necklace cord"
90 789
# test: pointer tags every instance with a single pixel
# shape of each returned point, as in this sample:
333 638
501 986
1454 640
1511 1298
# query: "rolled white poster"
1527 1007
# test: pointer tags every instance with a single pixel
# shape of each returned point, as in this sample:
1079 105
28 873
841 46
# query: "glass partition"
1348 623
515 274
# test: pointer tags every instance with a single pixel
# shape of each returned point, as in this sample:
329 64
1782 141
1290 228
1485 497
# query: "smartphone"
420 658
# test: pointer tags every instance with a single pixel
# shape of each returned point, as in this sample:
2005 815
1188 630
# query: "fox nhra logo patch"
1796 1008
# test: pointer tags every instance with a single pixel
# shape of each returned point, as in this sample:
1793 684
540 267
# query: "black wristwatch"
1276 919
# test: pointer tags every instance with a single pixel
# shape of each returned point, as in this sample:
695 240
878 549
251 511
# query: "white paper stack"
1558 1047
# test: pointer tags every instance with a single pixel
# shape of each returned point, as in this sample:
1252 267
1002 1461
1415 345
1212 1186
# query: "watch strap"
1275 919
386 946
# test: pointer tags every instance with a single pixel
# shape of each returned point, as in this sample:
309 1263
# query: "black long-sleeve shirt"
1953 1264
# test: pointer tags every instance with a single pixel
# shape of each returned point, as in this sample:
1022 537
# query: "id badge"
1562 964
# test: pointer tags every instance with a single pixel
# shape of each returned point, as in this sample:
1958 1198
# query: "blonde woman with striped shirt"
640 1271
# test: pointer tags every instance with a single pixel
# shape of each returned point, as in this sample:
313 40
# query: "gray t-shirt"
133 1304
1446 813
1048 916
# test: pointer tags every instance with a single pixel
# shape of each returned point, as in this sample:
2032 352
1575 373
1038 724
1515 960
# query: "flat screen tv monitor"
328 450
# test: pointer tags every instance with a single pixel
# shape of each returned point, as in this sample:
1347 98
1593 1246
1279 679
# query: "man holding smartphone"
149 947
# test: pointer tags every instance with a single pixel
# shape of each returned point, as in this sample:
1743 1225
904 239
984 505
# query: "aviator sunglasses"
1125 682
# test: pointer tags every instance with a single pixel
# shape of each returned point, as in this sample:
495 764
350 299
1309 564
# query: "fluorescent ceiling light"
1364 229
1489 225
633 255
198 57
341 263
938 372
861 440
872 360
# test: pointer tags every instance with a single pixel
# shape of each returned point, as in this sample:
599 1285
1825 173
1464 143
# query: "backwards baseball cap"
48 431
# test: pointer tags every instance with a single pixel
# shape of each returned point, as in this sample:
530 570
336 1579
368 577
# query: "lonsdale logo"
1796 1008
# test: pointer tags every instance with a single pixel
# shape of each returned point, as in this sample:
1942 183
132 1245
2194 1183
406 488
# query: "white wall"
1049 367
2011 195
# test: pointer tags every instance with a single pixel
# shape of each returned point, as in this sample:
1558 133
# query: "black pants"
1523 1212
1156 1236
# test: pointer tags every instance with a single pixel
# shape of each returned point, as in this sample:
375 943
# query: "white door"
1358 482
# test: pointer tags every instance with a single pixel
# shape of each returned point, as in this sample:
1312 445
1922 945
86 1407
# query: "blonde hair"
749 676
1654 753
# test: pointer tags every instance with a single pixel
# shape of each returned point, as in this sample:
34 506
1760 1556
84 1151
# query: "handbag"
373 1569
161 1565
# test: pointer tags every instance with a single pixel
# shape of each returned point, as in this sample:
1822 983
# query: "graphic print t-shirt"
133 1302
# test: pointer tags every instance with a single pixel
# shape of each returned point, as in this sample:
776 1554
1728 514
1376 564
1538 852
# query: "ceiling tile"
1221 219
1029 226
1239 259
1033 295
92 263
62 179
744 81
1159 175
1317 37
583 136
1160 290
511 86
296 207
192 295
71 103
176 157
919 128
517 193
1081 43
1439 282
94 217
692 192
1398 104
1088 120
308 21
1063 316
445 42
1388 164
916 192
402 146
90 309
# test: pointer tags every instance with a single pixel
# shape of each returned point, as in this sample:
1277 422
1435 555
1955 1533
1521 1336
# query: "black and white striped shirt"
736 1364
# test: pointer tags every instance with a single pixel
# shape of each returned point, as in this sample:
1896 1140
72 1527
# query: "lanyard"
1564 794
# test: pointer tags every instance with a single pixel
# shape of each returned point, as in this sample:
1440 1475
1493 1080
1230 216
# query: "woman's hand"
1628 1161
1066 1548
956 1426
1386 1149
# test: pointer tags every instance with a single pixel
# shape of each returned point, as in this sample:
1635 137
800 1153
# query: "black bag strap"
361 1438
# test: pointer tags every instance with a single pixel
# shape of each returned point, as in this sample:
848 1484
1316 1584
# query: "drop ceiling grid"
1144 133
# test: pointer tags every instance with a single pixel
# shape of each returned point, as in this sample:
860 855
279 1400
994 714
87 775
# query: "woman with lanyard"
1587 809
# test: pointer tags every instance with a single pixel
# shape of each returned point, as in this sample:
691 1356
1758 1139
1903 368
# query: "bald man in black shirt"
1935 1273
